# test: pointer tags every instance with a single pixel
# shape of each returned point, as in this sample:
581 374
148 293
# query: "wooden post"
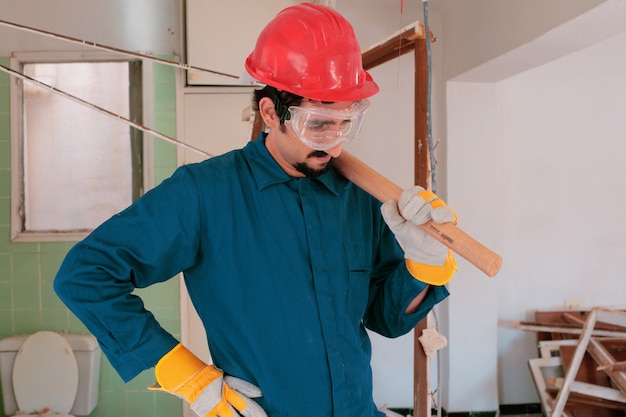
421 370
421 403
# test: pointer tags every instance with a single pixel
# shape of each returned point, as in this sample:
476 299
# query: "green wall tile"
5 157
165 99
163 124
50 263
167 293
169 321
26 296
164 73
26 267
145 294
26 321
5 129
55 320
6 323
5 295
5 267
109 378
165 152
141 381
112 404
5 103
25 247
5 237
140 403
54 247
5 209
167 405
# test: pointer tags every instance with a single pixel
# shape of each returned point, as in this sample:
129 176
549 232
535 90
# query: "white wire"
111 49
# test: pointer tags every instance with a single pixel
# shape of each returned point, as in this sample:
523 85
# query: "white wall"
544 185
477 31
469 362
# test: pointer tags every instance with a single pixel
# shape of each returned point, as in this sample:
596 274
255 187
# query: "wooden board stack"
581 368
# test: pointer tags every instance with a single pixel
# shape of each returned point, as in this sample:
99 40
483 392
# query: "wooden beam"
596 395
538 327
581 348
613 367
542 369
393 47
421 148
603 357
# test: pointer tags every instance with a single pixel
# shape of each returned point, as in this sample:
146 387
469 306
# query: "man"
287 262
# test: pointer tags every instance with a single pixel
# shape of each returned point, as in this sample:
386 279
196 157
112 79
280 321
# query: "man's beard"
309 172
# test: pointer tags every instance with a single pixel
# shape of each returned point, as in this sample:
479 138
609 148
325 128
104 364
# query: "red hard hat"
311 50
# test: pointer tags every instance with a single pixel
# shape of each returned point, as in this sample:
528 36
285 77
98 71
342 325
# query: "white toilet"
50 370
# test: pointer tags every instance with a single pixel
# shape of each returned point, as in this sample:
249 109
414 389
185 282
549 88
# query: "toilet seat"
45 374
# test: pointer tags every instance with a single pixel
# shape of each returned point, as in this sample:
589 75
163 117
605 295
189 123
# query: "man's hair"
282 100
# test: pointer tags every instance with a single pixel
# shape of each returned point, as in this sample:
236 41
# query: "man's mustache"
317 154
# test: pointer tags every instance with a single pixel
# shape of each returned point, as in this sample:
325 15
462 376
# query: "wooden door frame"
413 38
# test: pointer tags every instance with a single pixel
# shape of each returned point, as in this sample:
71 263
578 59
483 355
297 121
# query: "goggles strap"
282 111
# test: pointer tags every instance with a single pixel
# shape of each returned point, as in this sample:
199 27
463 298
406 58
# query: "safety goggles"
322 128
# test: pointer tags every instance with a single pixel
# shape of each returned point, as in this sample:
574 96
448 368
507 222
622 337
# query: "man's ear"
268 112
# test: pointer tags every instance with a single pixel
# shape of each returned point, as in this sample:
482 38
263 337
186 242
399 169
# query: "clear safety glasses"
322 128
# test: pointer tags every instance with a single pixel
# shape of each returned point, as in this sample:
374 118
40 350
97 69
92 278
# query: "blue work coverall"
285 273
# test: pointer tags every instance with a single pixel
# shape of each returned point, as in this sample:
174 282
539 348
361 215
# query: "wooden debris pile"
581 368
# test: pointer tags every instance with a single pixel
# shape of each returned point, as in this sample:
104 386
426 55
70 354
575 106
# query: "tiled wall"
27 300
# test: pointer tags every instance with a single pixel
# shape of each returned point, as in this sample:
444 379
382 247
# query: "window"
72 165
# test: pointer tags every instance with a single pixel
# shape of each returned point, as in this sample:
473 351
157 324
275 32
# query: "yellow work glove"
427 259
204 387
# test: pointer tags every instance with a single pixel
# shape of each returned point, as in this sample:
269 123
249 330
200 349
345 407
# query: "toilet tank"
87 353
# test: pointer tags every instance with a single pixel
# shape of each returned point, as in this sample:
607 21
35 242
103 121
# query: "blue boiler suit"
285 273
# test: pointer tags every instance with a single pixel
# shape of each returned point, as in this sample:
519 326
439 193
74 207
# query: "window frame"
143 112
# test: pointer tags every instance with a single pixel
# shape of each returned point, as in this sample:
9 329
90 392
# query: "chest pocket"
359 274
